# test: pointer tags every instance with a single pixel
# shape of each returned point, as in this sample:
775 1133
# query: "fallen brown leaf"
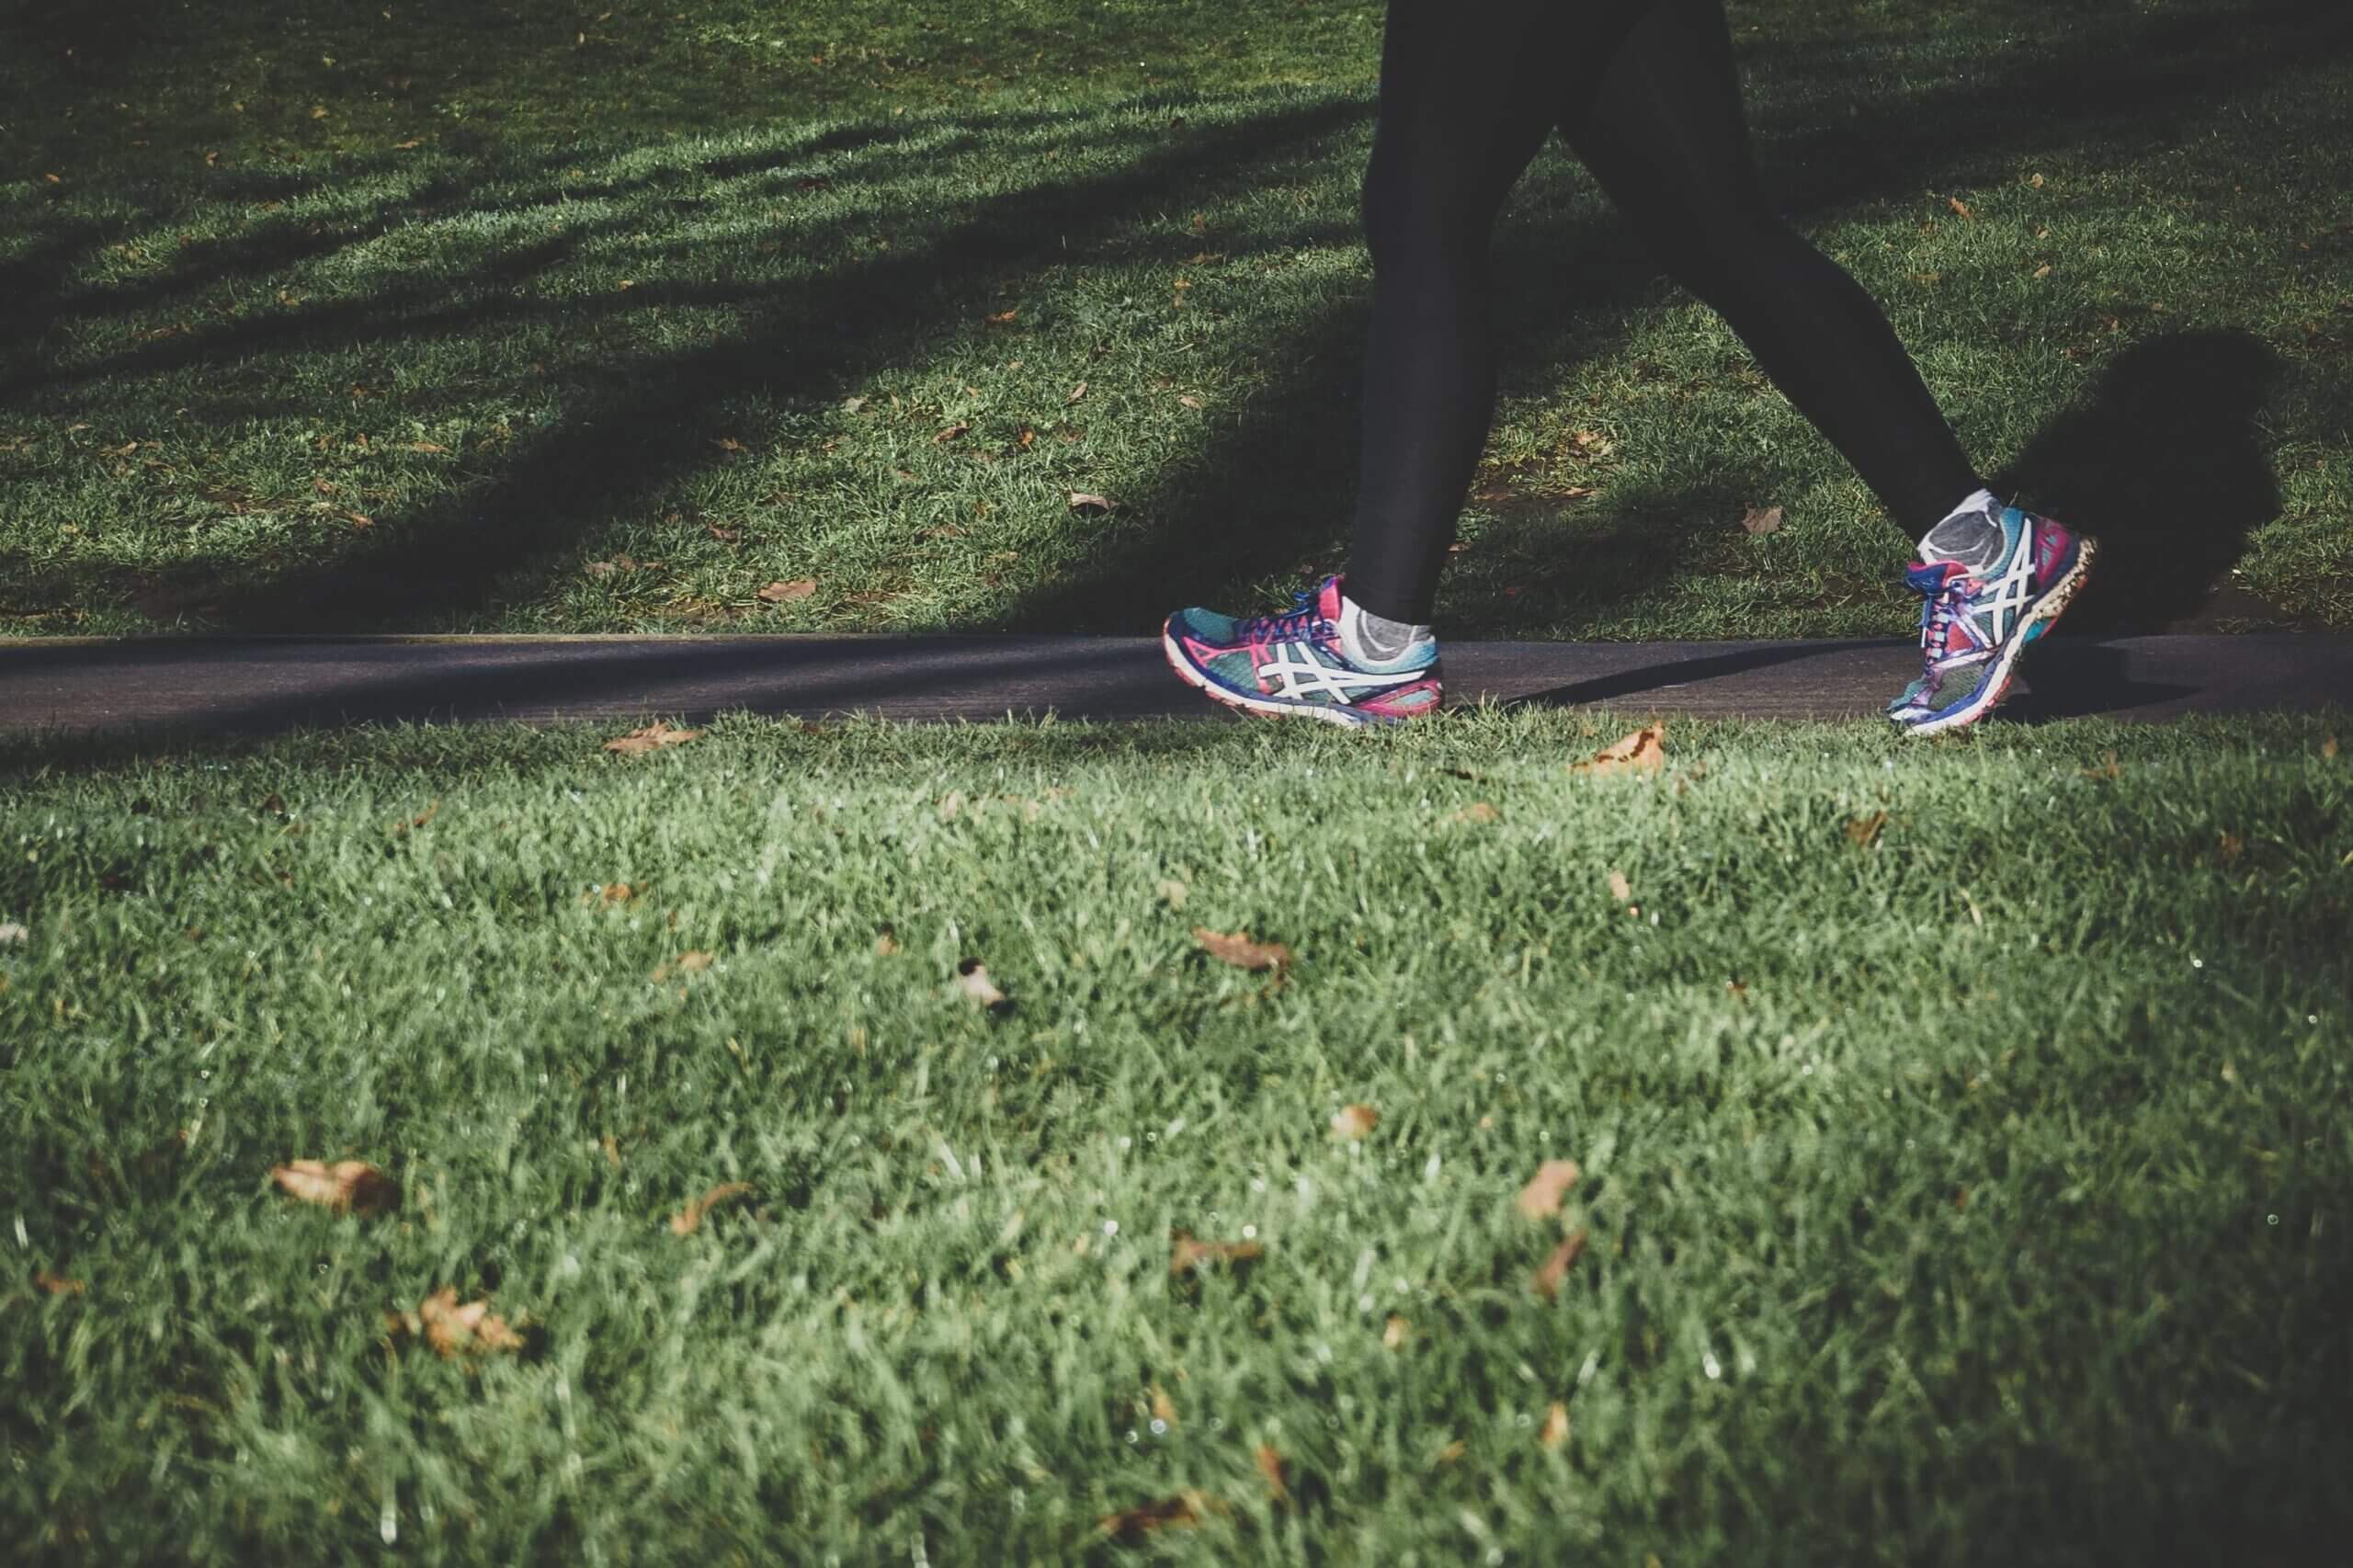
1619 889
1864 831
1555 1430
685 963
451 1328
1075 394
1189 401
1080 501
1541 1197
1958 205
347 1186
886 942
1477 811
1162 1407
2043 271
688 1219
1352 1122
1175 891
424 447
1270 1465
1644 751
1005 318
953 433
1763 521
1186 1252
2328 748
785 593
973 980
1546 1280
1395 1332
654 737
1448 1454
55 1284
1241 951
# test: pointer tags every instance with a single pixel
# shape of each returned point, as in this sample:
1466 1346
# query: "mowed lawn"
1962 1128
432 317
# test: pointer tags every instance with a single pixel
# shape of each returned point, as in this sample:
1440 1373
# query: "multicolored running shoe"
1980 614
1292 664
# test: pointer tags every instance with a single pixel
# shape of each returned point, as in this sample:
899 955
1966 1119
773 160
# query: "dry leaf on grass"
1187 1252
347 1186
1958 205
1270 1465
1162 1407
1761 520
1476 812
1644 751
654 737
1395 1332
953 433
1239 951
1541 1197
1546 1280
685 963
782 593
1075 394
686 1221
1081 501
56 1284
1186 1509
973 980
451 1328
2328 748
1175 891
1864 831
1619 889
1555 1430
886 942
1352 1122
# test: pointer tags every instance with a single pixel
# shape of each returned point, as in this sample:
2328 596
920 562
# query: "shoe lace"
1944 606
1299 621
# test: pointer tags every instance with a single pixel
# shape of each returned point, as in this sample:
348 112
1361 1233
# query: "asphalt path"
268 683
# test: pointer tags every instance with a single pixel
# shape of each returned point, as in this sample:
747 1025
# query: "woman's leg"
1664 136
1469 91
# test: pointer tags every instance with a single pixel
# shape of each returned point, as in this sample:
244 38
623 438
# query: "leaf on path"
1239 951
1351 1123
1764 521
1546 1280
56 1284
654 737
1183 1511
1270 1465
1541 1197
1394 1334
781 593
688 1219
1080 501
1644 751
451 1328
973 980
1619 889
347 1186
1863 832
1555 1430
1187 1252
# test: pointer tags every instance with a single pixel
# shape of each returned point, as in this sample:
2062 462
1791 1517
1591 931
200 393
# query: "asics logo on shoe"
1301 674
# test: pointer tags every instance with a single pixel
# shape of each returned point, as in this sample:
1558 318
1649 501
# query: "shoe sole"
1264 707
1997 686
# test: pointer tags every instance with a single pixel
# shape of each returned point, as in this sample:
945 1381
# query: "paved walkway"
267 684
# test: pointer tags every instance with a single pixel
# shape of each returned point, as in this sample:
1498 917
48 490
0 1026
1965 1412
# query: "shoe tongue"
1930 577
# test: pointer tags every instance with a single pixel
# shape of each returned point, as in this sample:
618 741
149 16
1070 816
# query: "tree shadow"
1213 524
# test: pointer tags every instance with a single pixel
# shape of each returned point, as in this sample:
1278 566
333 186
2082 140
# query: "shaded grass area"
1966 1184
580 366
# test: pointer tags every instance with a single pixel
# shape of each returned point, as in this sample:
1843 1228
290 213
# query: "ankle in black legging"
1644 92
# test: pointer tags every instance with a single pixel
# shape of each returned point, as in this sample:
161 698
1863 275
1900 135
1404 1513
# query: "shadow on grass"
1215 525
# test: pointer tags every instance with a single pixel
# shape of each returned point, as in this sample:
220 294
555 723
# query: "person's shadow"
2163 469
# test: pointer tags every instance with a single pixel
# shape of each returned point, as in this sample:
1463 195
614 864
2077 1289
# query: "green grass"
424 322
1978 1193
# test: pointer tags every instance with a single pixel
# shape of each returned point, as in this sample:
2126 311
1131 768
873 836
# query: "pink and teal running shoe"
1980 614
1292 664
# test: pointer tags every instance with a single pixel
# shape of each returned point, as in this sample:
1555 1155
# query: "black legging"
1644 92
